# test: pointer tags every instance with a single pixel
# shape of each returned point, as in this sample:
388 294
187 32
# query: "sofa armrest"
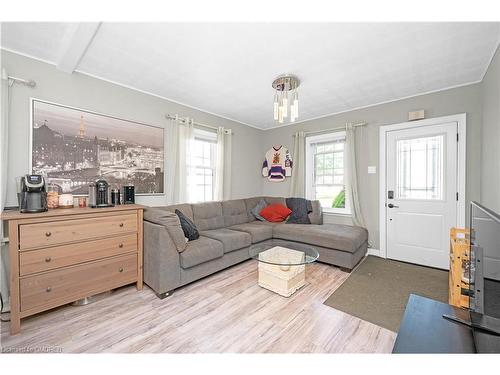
162 270
316 216
171 222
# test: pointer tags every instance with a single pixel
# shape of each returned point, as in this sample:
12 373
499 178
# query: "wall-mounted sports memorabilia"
277 164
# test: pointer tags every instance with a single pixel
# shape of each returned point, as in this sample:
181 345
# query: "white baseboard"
375 252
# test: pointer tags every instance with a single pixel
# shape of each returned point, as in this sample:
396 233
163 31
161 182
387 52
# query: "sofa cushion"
333 236
188 227
200 251
274 200
234 212
275 213
208 215
266 223
185 208
257 232
231 239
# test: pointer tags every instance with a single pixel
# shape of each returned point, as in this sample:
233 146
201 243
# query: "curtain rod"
184 120
355 125
26 82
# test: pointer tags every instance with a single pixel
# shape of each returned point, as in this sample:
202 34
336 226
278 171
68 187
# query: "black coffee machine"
99 194
31 194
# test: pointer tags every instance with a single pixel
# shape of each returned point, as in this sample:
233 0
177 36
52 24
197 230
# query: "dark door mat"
378 289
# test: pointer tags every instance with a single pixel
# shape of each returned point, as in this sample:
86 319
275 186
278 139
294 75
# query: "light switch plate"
372 169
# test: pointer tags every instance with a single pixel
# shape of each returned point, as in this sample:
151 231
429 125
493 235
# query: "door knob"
121 224
48 259
390 205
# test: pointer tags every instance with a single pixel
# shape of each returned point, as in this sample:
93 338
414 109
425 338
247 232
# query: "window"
420 168
204 158
325 173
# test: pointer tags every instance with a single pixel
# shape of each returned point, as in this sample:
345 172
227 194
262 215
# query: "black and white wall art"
72 147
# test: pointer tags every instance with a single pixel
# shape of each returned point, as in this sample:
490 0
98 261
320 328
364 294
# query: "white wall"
490 157
85 92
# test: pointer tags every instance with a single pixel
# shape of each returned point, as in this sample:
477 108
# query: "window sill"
336 213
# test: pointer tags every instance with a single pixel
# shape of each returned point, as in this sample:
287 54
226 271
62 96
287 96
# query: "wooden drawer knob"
48 234
48 259
49 289
120 245
121 225
121 269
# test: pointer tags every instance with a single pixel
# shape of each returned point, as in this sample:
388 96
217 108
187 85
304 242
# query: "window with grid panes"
205 156
325 180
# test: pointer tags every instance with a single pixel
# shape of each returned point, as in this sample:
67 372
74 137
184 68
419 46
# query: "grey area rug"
378 289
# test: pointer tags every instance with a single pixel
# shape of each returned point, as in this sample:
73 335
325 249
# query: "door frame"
461 120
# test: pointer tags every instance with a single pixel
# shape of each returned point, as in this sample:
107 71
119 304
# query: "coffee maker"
101 194
31 194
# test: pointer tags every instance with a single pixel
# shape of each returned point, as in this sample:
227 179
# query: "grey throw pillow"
300 208
259 207
188 227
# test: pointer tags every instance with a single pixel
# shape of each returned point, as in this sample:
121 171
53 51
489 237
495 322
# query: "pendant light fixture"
286 98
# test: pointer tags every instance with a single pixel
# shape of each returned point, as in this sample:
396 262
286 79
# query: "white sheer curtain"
352 176
298 183
4 139
223 164
180 168
185 176
171 149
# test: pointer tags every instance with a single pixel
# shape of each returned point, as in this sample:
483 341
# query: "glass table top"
284 253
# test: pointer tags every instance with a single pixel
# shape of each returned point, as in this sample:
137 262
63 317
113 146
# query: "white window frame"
210 137
310 140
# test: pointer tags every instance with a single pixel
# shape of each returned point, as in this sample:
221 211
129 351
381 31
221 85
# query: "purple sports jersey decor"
278 164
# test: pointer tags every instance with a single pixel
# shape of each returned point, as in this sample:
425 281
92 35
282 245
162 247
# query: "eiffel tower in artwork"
81 132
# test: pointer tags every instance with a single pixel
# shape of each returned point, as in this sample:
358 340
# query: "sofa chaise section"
342 245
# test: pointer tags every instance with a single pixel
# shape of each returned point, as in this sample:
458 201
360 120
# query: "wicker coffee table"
282 265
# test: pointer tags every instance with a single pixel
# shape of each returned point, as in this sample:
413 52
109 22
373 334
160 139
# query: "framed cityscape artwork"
72 147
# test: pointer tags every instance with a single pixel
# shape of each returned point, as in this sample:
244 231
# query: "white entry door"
421 197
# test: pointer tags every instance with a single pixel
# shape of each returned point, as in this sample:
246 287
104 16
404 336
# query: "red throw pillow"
275 213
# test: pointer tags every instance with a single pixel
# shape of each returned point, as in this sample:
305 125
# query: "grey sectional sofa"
227 230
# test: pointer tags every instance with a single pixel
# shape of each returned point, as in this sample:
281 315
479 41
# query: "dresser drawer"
70 284
67 255
59 232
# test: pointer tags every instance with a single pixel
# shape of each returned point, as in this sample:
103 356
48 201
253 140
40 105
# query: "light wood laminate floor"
226 312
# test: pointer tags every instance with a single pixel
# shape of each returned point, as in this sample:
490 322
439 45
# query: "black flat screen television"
484 272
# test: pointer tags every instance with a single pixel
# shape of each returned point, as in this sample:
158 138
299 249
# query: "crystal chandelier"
286 98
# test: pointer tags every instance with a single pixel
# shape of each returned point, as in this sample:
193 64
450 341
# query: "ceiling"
227 68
